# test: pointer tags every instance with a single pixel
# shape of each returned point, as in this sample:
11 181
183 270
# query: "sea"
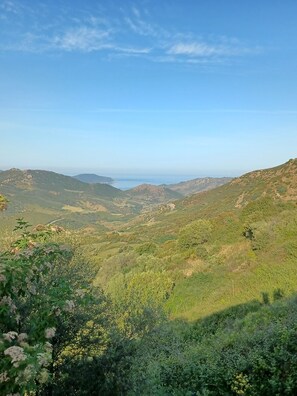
127 183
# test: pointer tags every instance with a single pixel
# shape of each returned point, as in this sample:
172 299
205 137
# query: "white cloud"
131 50
203 49
141 27
131 34
84 39
194 49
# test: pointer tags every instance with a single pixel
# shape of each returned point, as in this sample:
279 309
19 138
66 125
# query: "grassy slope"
232 269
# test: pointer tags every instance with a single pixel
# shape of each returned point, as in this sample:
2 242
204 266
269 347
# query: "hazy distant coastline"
131 182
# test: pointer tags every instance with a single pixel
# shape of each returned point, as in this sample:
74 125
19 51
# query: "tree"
195 234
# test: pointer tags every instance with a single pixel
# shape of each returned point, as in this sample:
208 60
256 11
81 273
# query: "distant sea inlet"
125 183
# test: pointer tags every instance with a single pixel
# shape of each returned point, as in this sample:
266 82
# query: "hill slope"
198 185
278 183
93 178
152 194
246 246
43 196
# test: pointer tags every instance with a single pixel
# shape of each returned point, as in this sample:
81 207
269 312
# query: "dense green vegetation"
61 335
195 299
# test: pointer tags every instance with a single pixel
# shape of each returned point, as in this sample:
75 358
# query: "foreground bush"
251 350
46 303
61 336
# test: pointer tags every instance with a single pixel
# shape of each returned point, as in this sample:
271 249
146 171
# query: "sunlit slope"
43 196
278 183
190 187
251 249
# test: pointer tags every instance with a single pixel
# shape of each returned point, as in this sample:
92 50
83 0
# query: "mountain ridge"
93 178
46 195
198 185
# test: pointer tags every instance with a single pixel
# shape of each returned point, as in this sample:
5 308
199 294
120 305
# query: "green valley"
181 286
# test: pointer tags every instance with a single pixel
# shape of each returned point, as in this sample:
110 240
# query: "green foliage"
139 298
3 202
67 337
28 238
260 234
253 354
201 252
260 209
42 312
194 234
282 189
278 294
146 248
265 298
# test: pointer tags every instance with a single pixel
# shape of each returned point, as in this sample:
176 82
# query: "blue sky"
148 87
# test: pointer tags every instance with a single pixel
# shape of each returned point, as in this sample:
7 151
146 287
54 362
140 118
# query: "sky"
148 87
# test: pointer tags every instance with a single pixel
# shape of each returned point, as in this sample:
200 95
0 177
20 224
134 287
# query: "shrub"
194 234
43 299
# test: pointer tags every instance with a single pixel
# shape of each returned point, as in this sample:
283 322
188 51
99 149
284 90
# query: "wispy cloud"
203 49
141 27
10 6
131 50
83 38
193 49
130 33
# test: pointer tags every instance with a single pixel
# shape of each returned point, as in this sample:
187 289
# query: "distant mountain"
151 194
93 178
43 196
51 181
198 185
